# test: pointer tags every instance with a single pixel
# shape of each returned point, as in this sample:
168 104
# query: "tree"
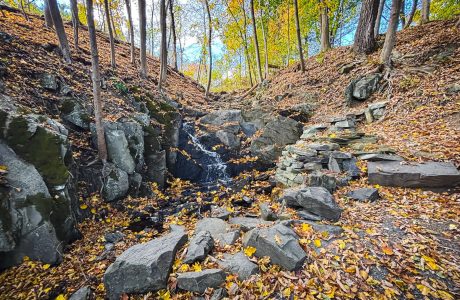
109 26
96 78
324 20
288 33
75 22
48 18
163 46
402 13
364 36
208 86
412 13
425 15
264 37
131 30
256 43
59 26
143 33
379 18
390 37
299 39
173 32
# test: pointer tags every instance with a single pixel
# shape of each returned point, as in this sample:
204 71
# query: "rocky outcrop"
199 281
200 245
362 88
144 267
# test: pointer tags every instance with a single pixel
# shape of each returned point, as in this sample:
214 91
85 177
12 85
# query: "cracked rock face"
200 281
200 245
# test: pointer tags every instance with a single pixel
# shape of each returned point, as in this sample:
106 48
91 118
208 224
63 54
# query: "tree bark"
21 4
59 26
96 78
112 43
131 30
364 36
246 42
208 86
379 18
75 22
288 33
325 40
48 18
390 37
264 37
412 13
163 46
425 17
402 14
143 33
173 31
299 39
256 43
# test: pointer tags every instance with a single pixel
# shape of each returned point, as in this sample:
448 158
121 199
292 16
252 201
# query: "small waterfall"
216 169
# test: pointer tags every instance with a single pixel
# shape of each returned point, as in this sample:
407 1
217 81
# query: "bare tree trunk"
402 14
425 12
131 31
288 33
299 39
325 40
112 43
246 42
152 40
75 22
173 31
48 18
114 29
96 77
59 26
390 37
256 43
364 36
379 18
143 33
412 13
208 86
21 4
264 37
163 46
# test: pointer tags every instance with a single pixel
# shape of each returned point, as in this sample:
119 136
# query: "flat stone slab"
200 281
239 264
200 245
247 224
413 175
380 157
364 194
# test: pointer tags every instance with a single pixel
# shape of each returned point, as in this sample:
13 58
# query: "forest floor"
404 246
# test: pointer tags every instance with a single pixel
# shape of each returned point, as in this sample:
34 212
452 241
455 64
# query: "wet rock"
200 281
279 243
266 213
116 183
200 245
239 264
316 200
144 267
364 194
247 224
424 175
83 293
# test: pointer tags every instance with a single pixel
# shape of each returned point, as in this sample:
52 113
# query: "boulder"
200 281
118 152
74 113
83 293
239 264
413 175
380 157
364 194
220 212
316 200
247 223
144 267
49 81
266 213
221 117
116 183
200 245
215 226
228 238
366 86
229 139
279 243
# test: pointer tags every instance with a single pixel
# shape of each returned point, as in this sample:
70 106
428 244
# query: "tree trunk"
364 36
21 4
96 78
152 40
246 43
208 86
75 22
163 46
425 12
256 43
288 33
379 18
299 39
390 37
412 13
114 29
59 26
143 33
48 18
109 26
173 31
325 40
131 31
402 14
264 37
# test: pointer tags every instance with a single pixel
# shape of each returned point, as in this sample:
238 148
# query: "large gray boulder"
219 229
279 243
74 113
83 293
200 281
366 86
316 200
200 245
118 152
144 267
247 223
221 117
116 183
239 264
413 175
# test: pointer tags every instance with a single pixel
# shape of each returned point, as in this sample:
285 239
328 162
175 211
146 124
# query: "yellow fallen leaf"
287 292
304 241
196 267
342 244
164 295
277 239
423 289
93 211
306 227
46 267
83 206
60 297
432 265
445 295
249 251
452 226
317 243
184 268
